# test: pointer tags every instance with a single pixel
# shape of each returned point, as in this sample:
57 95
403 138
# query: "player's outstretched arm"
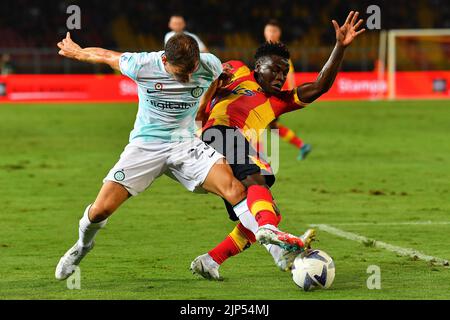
308 92
69 49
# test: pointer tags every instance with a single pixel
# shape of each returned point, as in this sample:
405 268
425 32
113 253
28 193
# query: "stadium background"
378 168
231 30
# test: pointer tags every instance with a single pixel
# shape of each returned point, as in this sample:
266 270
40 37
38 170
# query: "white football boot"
286 258
72 258
206 267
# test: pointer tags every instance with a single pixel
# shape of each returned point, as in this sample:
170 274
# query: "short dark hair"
182 50
273 22
272 48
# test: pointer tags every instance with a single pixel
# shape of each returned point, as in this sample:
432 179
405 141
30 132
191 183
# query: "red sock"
296 141
237 241
289 135
227 248
261 205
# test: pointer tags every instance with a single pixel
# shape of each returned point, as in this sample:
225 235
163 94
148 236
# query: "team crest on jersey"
158 86
197 92
119 175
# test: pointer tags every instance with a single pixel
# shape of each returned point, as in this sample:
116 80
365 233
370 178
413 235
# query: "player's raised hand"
68 48
349 30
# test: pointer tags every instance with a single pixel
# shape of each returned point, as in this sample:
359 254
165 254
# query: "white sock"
270 226
245 216
274 250
88 229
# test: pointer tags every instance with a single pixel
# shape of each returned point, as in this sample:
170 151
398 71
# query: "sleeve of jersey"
287 101
132 63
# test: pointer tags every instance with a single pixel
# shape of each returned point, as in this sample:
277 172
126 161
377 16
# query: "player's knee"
233 191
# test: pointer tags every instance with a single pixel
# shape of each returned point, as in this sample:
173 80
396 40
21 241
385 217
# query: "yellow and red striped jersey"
243 104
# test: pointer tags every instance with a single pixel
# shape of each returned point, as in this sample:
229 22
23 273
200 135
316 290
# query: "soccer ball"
312 270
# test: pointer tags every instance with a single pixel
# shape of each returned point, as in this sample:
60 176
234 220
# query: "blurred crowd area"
231 29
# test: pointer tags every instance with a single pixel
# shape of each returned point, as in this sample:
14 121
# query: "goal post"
392 49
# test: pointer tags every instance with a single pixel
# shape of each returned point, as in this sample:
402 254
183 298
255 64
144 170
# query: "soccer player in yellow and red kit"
272 33
250 100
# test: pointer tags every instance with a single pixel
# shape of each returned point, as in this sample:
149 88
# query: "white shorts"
140 163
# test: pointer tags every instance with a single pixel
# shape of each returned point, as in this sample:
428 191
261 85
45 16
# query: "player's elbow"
313 95
320 90
323 88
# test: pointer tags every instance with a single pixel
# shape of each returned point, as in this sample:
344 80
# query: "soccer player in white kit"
170 84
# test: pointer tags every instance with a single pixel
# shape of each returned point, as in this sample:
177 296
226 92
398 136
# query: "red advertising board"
368 85
58 88
351 85
116 88
423 85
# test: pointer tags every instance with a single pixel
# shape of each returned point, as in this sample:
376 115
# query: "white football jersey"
167 108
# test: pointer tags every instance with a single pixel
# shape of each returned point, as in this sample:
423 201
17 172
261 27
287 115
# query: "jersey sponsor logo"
119 175
197 92
242 91
172 105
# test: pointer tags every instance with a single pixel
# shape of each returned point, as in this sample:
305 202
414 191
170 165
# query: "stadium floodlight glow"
392 51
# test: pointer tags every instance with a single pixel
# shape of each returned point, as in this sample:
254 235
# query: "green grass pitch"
373 164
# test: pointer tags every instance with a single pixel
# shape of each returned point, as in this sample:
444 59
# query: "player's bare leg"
110 197
221 181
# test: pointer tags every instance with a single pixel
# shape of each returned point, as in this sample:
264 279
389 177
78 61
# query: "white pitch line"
378 244
401 223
